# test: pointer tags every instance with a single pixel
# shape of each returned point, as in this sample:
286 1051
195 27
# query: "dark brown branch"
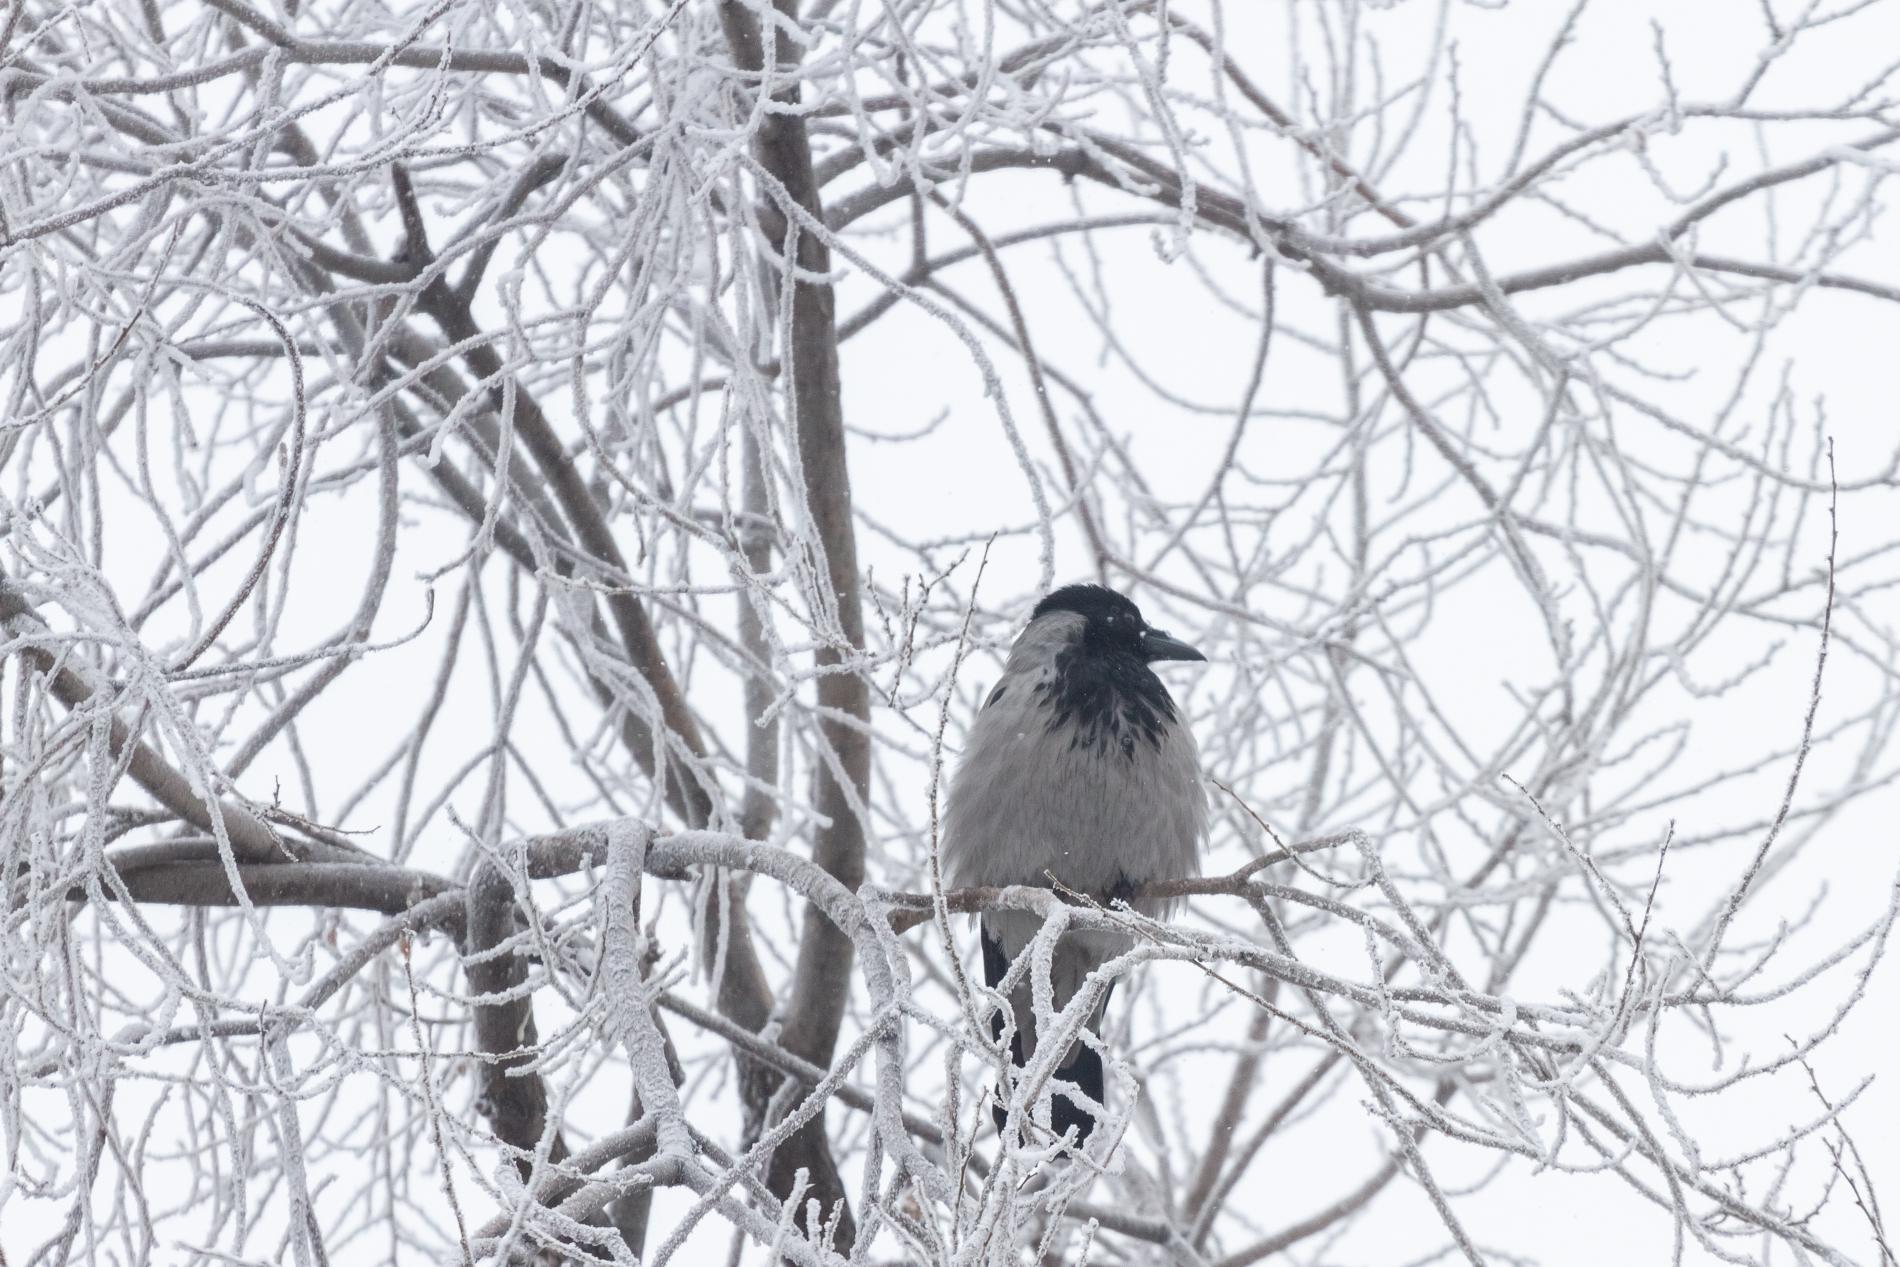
1219 210
415 56
367 887
908 910
685 793
516 1107
251 837
821 982
535 175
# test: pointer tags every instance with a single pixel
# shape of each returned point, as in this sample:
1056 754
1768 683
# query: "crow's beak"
1156 645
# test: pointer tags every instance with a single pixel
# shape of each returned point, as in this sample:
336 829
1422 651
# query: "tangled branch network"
507 511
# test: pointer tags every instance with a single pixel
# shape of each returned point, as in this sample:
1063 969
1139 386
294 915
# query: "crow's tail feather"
1084 1069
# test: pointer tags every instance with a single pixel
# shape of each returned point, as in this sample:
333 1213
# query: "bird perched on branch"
1078 767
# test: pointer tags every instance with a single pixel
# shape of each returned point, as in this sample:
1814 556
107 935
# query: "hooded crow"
1078 767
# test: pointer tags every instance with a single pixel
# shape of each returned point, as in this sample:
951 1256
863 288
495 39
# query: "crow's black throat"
1108 698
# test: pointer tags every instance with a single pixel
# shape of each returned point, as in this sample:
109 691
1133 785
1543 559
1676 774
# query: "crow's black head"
1115 626
1103 693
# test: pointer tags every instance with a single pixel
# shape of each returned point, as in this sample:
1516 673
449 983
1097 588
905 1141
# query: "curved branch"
251 837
